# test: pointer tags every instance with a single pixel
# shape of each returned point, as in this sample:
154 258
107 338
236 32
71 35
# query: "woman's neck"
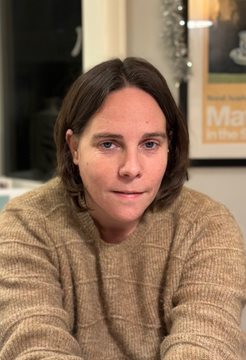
115 234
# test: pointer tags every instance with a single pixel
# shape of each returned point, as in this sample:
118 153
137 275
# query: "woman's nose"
130 166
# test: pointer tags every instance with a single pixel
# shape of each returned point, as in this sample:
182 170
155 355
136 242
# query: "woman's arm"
206 307
33 322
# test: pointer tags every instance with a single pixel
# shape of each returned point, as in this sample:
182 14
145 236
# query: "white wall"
104 30
227 185
144 36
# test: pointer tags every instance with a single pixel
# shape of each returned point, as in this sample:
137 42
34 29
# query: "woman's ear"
73 144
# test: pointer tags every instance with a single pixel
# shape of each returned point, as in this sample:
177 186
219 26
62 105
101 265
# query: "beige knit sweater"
173 290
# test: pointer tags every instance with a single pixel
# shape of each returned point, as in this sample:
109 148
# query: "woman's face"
122 157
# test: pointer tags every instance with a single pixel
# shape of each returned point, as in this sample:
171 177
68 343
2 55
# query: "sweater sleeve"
33 322
206 306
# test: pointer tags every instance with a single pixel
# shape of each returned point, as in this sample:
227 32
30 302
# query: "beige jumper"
173 290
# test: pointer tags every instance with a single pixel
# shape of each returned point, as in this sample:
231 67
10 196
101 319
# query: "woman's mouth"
128 194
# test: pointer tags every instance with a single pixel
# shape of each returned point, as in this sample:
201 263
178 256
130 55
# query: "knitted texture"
173 290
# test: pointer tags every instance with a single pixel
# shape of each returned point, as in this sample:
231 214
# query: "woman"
115 258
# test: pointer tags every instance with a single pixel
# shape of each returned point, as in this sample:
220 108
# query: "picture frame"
214 97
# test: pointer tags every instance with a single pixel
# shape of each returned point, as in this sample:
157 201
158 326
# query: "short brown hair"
85 98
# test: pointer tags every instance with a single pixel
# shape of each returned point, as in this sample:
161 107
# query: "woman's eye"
150 144
107 145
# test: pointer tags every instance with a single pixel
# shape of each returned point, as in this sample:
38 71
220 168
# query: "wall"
144 35
104 30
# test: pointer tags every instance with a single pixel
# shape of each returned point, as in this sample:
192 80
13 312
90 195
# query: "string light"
174 39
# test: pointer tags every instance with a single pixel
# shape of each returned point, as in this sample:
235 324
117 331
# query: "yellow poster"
217 94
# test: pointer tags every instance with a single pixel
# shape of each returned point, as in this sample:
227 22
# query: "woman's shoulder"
195 215
193 205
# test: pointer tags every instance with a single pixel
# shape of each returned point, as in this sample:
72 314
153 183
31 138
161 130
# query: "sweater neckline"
133 241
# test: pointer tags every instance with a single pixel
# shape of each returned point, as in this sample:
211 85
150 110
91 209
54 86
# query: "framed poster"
216 94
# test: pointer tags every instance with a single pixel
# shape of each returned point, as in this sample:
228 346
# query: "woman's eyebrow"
155 134
107 135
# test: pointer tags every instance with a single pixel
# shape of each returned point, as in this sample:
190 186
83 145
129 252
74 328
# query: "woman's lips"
128 194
